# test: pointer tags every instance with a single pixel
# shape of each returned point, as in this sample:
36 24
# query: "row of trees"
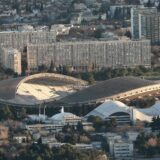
65 152
12 113
101 125
100 75
149 145
144 102
71 134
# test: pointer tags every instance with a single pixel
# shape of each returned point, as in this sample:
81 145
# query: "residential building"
122 149
11 58
135 22
149 27
119 148
121 12
19 40
90 55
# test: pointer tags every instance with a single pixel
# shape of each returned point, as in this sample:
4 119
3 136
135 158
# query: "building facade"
135 22
123 149
119 147
149 27
11 58
90 55
121 12
19 40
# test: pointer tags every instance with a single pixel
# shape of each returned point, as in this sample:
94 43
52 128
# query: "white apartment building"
11 58
119 148
135 22
123 149
90 55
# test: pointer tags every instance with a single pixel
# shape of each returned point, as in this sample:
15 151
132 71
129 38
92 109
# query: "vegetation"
9 72
73 135
12 113
144 102
106 73
148 145
42 68
155 124
43 152
101 125
98 33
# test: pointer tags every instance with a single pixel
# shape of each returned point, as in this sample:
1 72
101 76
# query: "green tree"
113 122
42 68
22 113
9 71
91 79
97 121
5 113
39 158
128 34
24 66
52 67
98 33
80 127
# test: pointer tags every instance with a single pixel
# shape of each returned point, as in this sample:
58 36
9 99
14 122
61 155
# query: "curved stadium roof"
108 108
9 87
106 89
153 110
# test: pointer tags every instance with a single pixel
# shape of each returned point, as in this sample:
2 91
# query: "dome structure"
65 118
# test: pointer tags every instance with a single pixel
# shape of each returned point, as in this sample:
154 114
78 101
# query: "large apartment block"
19 40
149 27
135 21
82 55
11 58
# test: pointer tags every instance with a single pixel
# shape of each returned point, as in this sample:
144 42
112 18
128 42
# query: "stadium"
56 89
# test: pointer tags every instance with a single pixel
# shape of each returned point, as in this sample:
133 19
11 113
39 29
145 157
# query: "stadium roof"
109 107
8 88
153 110
101 90
106 89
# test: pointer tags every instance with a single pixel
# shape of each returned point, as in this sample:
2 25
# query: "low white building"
132 136
65 118
119 147
60 29
122 149
20 138
49 139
